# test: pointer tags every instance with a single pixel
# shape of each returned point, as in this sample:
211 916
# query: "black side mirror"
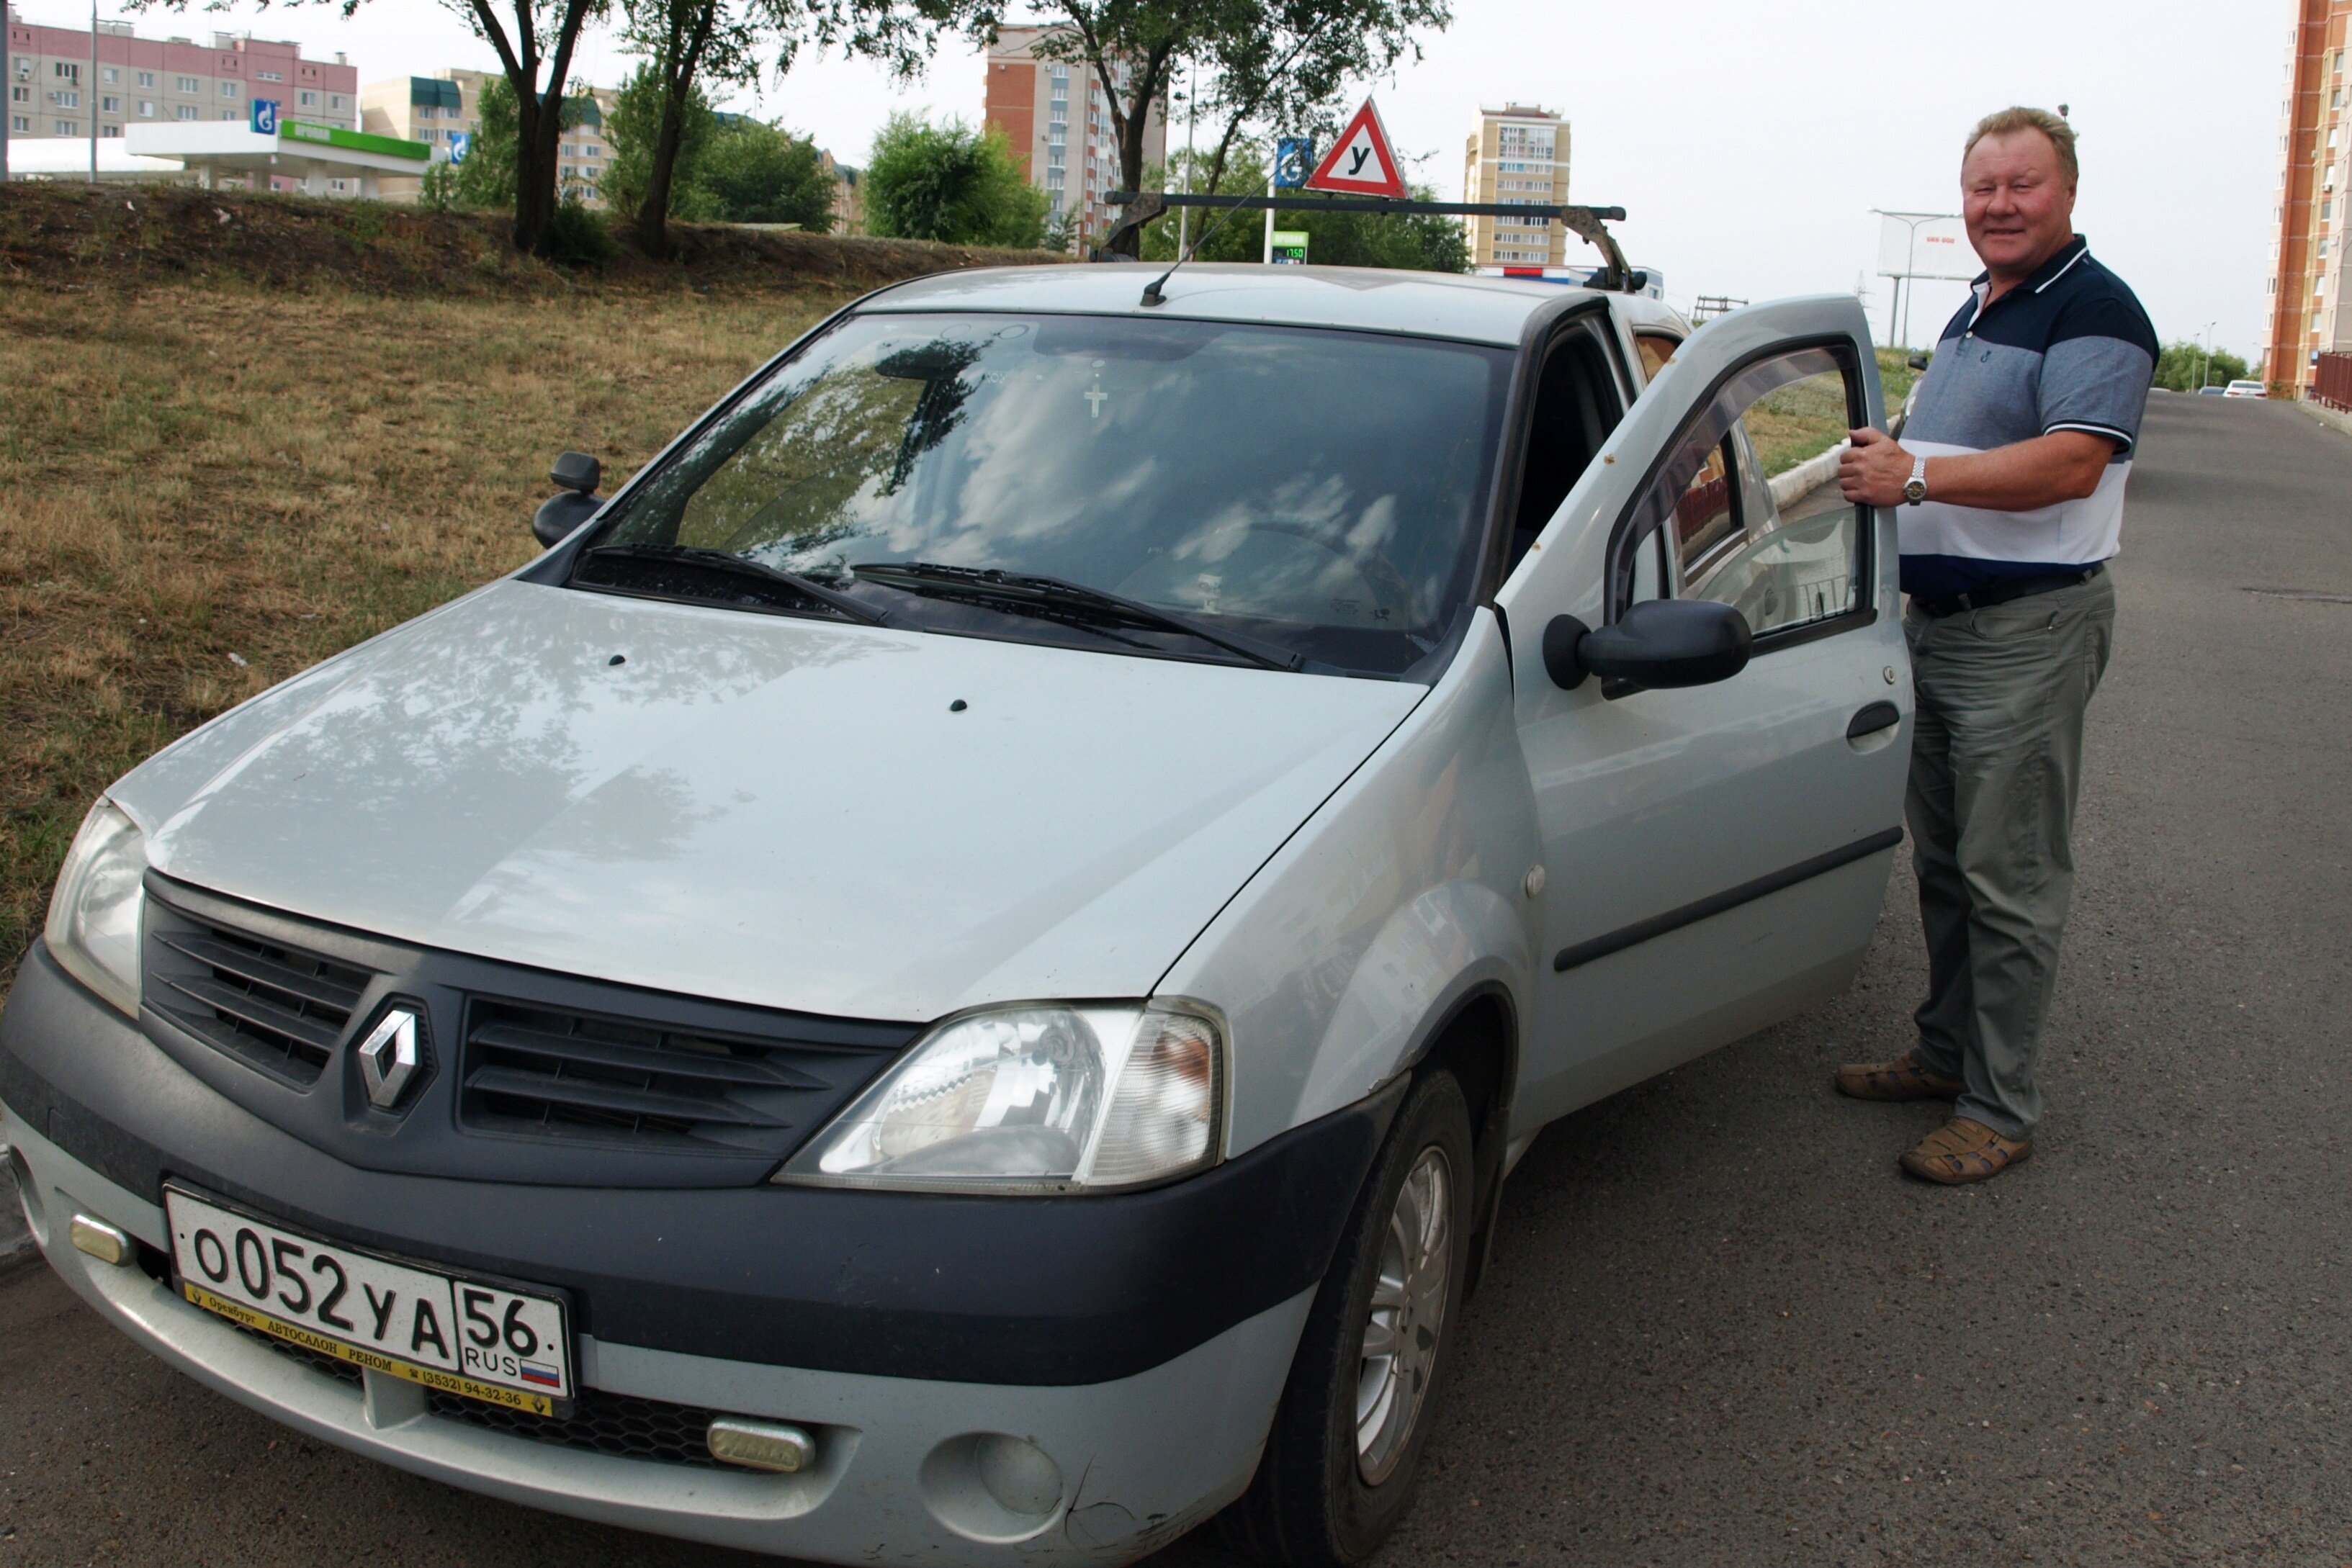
1917 362
1657 643
578 475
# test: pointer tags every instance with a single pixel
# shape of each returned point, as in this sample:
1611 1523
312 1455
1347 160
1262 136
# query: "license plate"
459 1335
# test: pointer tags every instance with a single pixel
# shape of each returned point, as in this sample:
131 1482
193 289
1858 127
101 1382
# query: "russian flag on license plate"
546 1376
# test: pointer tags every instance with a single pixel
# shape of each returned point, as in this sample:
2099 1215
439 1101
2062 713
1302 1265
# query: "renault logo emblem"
390 1056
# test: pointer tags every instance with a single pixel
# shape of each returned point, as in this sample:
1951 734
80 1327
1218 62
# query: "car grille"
537 1071
620 1425
315 1360
277 1007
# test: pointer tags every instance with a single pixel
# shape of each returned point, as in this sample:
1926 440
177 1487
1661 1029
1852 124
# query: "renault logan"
953 976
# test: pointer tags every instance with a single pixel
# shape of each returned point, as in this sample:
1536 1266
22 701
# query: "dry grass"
203 492
1807 418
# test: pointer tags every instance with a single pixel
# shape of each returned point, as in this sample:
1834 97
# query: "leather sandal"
1963 1150
1903 1079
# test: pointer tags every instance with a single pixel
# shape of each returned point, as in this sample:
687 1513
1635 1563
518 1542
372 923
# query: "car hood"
785 813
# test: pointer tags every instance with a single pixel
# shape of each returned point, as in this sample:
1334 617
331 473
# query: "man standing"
2009 484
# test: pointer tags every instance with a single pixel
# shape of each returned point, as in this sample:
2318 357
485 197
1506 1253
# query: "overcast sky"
1748 145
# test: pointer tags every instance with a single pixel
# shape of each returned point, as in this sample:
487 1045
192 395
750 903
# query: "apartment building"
1056 117
1516 157
2308 309
55 92
445 111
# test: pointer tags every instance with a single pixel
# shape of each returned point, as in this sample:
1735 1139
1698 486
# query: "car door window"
1747 503
1657 348
1576 407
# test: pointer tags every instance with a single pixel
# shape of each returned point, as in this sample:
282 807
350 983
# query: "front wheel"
1340 1463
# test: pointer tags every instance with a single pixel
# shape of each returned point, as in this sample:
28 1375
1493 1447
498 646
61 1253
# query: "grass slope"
72 237
202 493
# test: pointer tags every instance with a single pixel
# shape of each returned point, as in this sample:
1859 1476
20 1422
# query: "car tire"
1340 1463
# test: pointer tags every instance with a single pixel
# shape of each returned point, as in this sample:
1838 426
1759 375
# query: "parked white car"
2245 389
954 975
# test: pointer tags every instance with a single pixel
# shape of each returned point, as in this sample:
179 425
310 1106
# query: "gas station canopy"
265 146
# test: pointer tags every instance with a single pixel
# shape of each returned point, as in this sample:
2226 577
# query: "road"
1720 1329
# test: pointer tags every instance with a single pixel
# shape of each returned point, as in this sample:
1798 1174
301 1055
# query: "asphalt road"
1721 1329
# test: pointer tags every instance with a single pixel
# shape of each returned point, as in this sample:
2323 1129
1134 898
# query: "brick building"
2307 306
1058 118
53 92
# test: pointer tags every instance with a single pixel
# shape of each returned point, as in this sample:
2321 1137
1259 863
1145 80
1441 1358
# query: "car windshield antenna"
1151 293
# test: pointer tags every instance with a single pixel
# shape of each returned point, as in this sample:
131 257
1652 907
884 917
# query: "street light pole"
93 91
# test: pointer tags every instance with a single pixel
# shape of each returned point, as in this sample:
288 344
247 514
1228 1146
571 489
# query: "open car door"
1715 854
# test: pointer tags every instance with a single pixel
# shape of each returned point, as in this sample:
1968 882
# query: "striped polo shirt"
2069 348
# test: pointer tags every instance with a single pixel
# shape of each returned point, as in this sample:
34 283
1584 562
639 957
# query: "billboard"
1925 245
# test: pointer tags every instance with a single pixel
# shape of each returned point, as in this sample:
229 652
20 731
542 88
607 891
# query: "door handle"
1873 717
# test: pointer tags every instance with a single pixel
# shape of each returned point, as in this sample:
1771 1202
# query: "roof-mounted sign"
1360 162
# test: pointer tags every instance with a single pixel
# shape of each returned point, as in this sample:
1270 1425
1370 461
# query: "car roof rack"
1584 222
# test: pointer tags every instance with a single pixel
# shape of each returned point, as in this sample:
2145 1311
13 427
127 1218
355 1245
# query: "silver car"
955 974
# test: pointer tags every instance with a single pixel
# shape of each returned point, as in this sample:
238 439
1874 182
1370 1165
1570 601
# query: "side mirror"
577 474
1655 644
1917 362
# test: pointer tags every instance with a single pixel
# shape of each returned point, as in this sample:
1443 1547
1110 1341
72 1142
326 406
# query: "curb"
2324 414
1807 476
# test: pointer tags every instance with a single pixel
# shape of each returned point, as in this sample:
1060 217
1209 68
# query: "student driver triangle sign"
1360 162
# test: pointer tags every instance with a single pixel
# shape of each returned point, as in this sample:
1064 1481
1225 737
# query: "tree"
731 168
486 178
2180 364
1289 59
754 173
949 182
1289 72
632 133
690 42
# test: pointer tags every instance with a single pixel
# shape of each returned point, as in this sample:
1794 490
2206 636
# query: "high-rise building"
2308 309
1516 157
1058 118
55 92
444 110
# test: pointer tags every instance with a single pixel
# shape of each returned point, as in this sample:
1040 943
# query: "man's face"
2019 205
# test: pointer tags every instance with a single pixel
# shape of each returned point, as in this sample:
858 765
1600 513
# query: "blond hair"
2055 127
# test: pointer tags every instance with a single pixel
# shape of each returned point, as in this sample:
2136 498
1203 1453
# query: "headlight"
93 926
1033 1099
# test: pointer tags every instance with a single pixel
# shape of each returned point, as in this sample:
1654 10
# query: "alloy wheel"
1408 1311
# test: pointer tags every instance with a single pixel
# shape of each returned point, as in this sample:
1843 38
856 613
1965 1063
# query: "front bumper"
101 1117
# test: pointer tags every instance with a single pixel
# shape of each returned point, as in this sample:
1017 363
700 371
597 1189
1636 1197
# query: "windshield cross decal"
1096 397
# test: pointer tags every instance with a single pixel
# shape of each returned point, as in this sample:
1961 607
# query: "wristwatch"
1914 489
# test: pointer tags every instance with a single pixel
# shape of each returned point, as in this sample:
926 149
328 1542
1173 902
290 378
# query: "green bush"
731 168
952 183
578 237
2180 365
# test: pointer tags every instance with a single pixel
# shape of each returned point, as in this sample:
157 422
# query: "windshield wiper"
1020 591
740 570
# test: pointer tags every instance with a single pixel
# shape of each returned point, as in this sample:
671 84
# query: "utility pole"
8 74
93 91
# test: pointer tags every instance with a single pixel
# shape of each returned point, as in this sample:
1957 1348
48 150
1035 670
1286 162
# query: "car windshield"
1316 493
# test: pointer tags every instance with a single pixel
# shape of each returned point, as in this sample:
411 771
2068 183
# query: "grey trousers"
1996 759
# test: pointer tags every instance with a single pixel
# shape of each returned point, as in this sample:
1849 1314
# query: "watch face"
1914 491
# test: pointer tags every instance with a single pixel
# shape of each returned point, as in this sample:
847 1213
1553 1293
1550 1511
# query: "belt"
2007 589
